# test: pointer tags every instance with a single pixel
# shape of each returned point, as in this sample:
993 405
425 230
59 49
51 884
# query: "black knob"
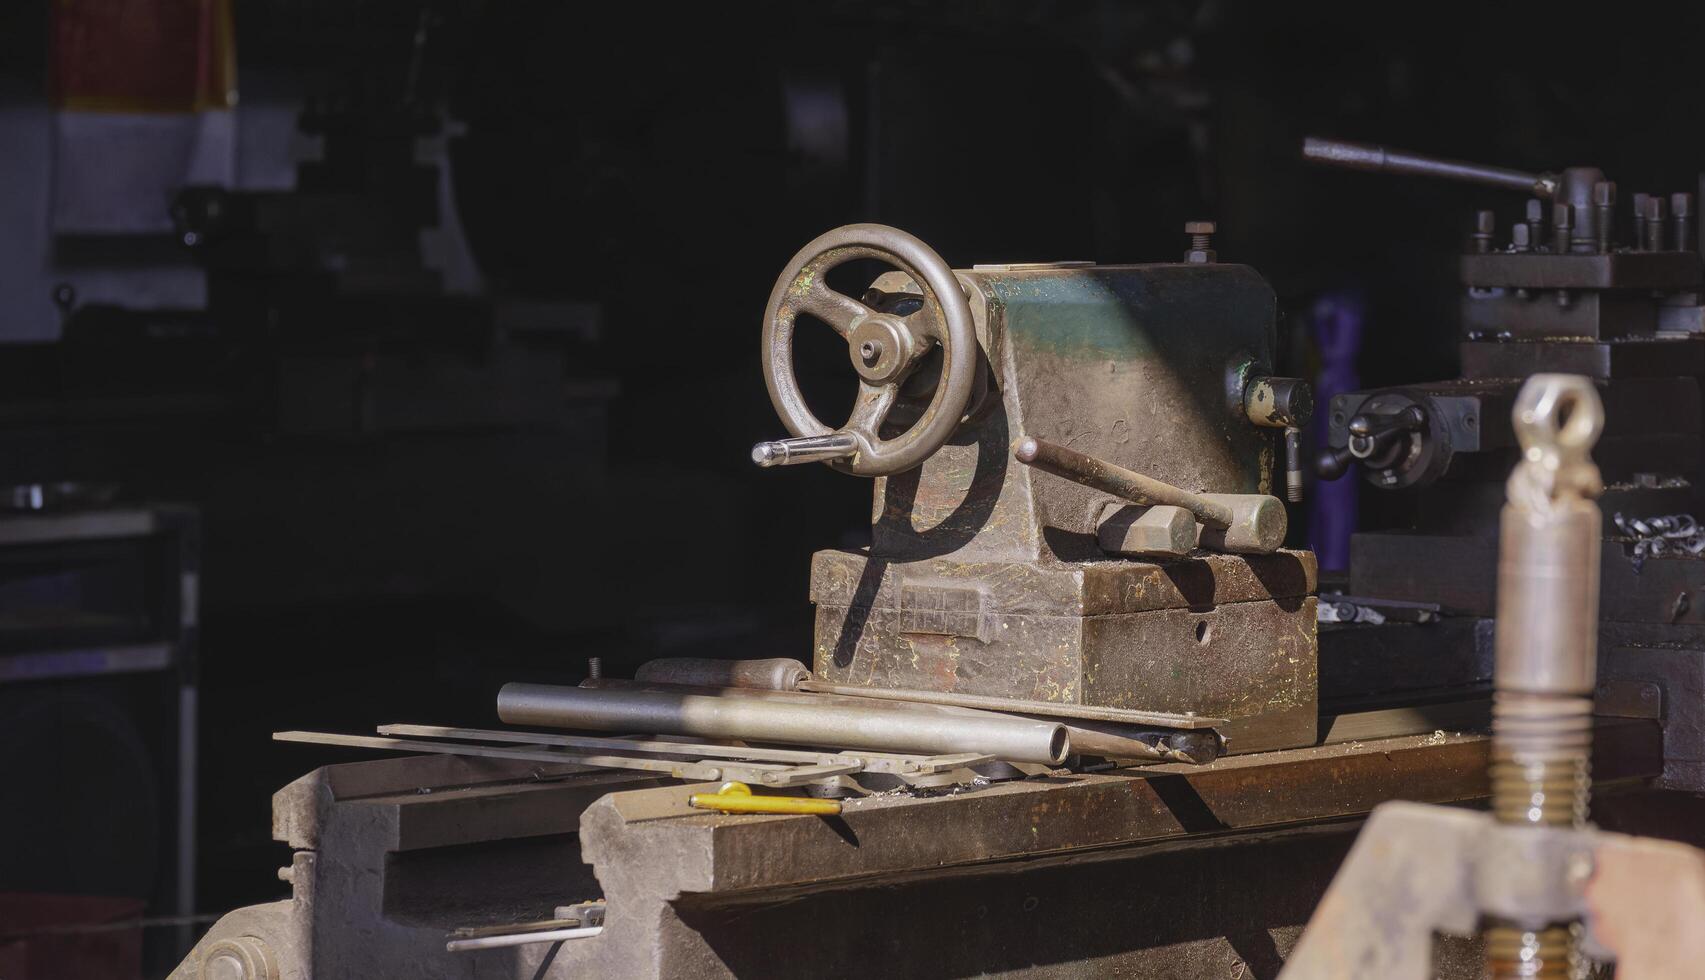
1330 464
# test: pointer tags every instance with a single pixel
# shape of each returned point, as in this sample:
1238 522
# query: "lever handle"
805 449
1332 463
1253 523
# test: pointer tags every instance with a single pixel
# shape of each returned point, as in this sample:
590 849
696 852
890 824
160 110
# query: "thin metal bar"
757 772
521 939
682 770
618 744
1127 716
885 762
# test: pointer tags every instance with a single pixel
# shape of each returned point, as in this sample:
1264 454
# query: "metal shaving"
1668 535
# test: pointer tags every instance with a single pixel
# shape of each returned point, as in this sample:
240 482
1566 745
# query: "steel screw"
1485 223
1654 224
1604 212
594 667
1534 218
1640 201
1201 241
1562 223
1681 220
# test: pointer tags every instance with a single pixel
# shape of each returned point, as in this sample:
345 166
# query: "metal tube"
774 674
1366 156
1110 478
773 716
1546 645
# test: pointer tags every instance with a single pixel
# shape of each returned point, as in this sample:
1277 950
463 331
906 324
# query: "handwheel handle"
885 348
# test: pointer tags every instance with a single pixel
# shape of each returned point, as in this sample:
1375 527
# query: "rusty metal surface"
1094 588
1010 820
395 855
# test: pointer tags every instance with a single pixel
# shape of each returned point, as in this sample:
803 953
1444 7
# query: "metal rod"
1124 716
1366 156
773 716
521 939
1110 478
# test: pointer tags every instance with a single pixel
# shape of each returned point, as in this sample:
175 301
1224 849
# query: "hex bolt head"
1604 194
1681 204
1199 228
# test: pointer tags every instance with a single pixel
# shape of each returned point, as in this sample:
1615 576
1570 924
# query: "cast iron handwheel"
884 347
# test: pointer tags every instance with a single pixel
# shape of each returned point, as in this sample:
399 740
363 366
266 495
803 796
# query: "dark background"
379 544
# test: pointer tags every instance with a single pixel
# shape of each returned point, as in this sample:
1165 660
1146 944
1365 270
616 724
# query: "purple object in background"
1336 320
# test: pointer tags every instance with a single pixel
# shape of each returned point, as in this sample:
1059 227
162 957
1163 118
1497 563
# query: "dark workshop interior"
370 354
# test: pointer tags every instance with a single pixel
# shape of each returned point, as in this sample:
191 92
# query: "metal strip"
757 772
885 762
1052 709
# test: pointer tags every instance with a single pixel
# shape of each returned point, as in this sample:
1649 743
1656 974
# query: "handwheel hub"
881 347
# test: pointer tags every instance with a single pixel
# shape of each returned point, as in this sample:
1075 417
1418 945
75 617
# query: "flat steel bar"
1124 716
657 746
756 772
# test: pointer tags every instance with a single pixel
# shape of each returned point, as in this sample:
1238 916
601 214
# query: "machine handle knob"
1331 464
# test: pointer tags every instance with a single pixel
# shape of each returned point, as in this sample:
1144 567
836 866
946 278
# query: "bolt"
1654 223
1201 241
1534 218
1604 212
1485 223
1562 222
594 667
1681 220
1521 238
871 352
1640 201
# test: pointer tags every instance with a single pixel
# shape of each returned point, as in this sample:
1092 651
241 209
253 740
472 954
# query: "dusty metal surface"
1218 635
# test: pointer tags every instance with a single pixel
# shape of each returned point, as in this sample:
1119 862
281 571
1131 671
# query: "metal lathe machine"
1070 712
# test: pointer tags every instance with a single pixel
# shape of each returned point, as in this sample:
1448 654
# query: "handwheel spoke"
925 322
837 309
871 409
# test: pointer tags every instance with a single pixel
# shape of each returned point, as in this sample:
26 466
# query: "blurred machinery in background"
1587 280
99 701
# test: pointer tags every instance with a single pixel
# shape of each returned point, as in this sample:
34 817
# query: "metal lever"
1244 522
805 449
1371 435
1366 156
